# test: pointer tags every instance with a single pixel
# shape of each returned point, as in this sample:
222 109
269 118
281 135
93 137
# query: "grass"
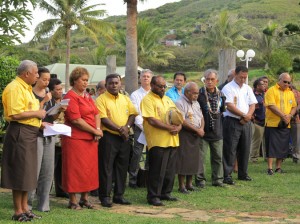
277 193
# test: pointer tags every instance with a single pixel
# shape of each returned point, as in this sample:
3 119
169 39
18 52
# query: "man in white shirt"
136 98
240 102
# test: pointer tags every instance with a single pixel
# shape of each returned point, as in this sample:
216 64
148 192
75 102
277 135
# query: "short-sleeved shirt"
115 108
136 98
191 111
241 97
80 107
173 93
154 106
283 99
17 98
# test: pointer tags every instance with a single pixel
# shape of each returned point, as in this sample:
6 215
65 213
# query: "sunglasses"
286 82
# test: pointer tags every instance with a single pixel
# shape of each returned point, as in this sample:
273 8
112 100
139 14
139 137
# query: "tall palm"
149 50
131 75
70 14
223 37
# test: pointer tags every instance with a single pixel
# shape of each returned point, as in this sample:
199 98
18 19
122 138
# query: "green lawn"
277 193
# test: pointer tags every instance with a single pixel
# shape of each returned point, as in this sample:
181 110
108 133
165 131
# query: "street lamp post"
248 57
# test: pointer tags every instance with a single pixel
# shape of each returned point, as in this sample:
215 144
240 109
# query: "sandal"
31 215
73 206
21 218
85 203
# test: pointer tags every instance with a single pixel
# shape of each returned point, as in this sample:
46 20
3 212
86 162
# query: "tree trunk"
227 61
68 55
111 64
131 73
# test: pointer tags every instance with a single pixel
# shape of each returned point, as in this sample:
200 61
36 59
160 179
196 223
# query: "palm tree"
131 75
224 36
149 50
68 15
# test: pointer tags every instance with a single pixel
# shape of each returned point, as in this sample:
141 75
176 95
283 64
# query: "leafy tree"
225 34
8 67
13 16
280 61
68 15
149 48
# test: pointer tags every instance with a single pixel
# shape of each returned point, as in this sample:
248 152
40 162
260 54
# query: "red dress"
80 151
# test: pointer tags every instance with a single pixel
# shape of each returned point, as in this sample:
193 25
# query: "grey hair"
209 71
189 85
25 66
231 72
146 71
283 75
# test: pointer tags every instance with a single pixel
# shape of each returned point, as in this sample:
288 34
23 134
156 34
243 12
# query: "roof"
97 72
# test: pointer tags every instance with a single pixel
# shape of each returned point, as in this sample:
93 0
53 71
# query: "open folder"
55 109
57 129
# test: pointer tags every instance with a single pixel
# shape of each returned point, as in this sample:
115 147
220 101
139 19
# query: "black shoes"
200 185
106 202
246 178
168 198
218 185
121 201
155 202
270 172
183 191
133 186
62 195
279 170
228 181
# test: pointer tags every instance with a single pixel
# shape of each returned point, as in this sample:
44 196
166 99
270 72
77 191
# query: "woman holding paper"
45 145
80 151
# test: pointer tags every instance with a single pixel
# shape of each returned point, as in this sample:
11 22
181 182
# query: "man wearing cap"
178 89
162 140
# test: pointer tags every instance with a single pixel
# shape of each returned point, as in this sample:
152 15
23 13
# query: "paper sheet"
55 109
57 129
142 139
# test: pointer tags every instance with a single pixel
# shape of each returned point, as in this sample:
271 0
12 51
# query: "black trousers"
236 144
162 164
58 171
113 154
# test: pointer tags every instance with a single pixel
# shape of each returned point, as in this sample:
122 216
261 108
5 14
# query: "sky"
112 7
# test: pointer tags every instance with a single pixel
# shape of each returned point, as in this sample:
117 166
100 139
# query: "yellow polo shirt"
116 108
284 100
17 98
154 106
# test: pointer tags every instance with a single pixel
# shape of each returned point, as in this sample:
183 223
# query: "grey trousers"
137 151
216 161
257 138
236 144
46 151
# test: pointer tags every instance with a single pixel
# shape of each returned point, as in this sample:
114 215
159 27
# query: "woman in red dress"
80 151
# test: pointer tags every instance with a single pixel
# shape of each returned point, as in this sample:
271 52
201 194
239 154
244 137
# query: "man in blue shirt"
177 90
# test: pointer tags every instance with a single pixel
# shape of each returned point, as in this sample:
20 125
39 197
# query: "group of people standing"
98 154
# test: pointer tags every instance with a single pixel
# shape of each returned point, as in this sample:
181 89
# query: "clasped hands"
174 129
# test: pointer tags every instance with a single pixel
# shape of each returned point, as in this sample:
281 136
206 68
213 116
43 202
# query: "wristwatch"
243 115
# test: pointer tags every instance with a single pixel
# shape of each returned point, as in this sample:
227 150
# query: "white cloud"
112 7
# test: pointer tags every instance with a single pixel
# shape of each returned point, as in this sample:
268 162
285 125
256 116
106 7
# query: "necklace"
210 110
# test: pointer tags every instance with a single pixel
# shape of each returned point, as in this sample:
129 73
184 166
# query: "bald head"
284 81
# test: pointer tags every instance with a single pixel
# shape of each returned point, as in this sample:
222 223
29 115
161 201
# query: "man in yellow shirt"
280 108
162 140
117 115
22 111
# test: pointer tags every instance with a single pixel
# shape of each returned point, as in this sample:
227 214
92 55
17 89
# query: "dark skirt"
277 142
19 160
188 154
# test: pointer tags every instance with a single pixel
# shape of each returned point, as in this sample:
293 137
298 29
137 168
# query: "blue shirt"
173 93
260 109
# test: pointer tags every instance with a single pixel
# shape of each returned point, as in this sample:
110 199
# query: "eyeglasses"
286 82
161 86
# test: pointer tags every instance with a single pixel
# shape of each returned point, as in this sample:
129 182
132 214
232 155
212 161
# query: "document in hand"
57 129
54 110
